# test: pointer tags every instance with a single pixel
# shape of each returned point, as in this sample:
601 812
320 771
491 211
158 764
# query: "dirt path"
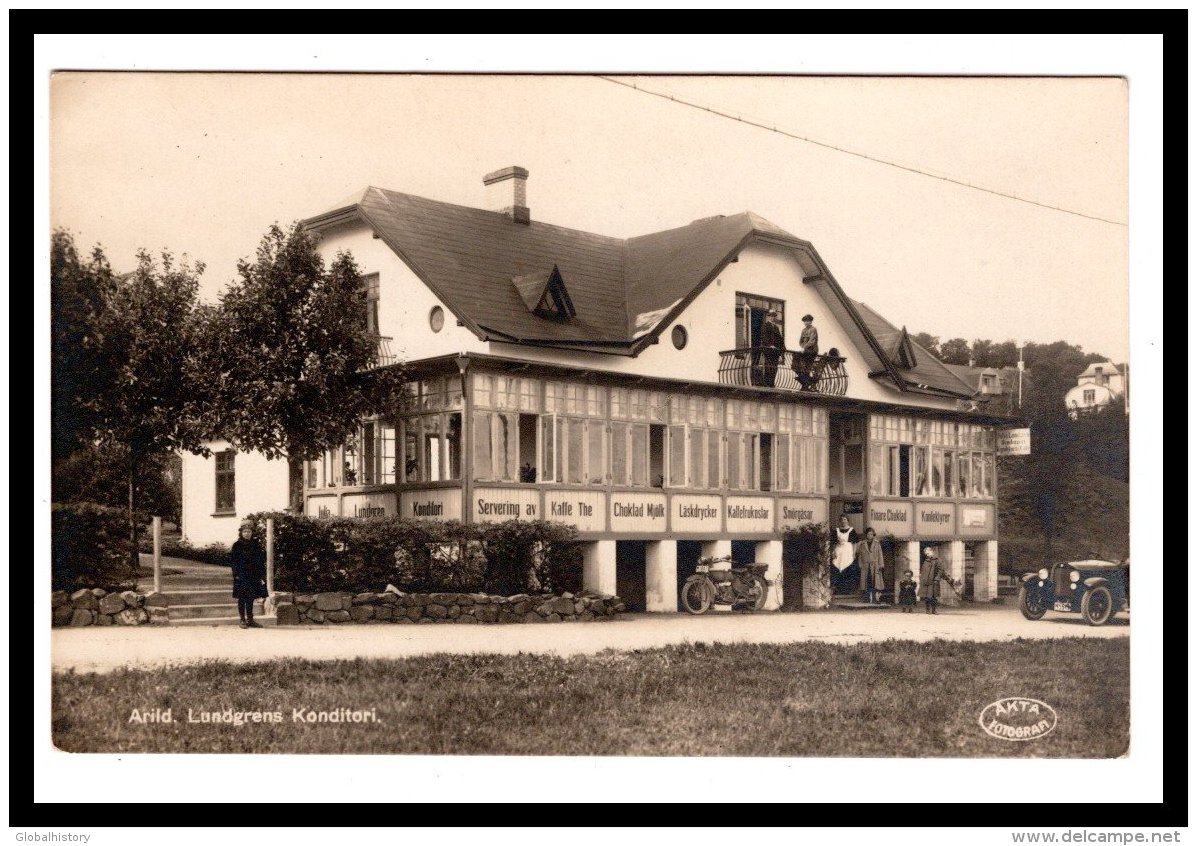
105 649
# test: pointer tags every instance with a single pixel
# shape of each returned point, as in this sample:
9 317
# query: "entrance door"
629 574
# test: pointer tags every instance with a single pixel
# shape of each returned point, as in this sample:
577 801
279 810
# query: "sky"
203 163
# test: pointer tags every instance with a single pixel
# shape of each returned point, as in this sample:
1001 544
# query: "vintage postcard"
745 417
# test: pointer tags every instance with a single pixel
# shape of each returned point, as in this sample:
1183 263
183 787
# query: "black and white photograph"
754 420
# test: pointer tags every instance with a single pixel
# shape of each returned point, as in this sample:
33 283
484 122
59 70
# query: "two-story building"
1098 385
631 388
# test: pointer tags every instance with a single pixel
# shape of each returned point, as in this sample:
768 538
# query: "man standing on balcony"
808 350
772 345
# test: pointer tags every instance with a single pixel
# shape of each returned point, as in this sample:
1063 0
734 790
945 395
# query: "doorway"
630 584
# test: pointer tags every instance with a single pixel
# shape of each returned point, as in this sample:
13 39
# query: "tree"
928 342
955 351
126 369
290 359
98 474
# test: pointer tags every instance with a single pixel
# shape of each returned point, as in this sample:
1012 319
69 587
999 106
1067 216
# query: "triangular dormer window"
904 355
545 296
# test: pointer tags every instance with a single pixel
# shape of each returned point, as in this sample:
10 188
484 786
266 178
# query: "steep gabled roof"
926 371
507 281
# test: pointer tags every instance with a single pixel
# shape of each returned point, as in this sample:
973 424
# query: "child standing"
907 592
247 560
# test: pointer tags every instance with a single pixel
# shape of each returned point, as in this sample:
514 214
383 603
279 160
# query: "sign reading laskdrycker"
637 512
890 517
442 504
796 511
749 514
1014 442
496 505
696 513
934 518
368 505
585 509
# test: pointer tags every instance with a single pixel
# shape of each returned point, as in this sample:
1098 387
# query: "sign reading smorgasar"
1014 442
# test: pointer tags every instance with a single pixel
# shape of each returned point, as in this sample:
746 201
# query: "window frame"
228 475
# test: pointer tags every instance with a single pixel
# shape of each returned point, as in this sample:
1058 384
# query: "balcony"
382 354
765 367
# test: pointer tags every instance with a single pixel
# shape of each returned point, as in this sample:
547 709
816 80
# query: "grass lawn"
891 699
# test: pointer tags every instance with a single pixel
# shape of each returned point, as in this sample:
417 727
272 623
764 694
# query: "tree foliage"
289 357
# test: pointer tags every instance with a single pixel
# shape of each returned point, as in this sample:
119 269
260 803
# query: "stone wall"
98 607
394 606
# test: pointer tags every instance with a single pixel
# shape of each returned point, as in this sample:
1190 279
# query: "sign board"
975 520
794 511
497 505
891 517
934 519
749 514
587 510
440 504
369 505
637 512
1014 442
696 514
322 506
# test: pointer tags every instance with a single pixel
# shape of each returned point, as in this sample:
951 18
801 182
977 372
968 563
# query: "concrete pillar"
769 552
916 561
953 563
660 575
985 572
598 566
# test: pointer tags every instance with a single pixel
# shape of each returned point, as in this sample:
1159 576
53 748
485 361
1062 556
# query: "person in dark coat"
908 592
808 351
773 345
871 559
930 575
247 560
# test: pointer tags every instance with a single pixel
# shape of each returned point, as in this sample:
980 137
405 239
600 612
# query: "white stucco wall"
260 485
404 301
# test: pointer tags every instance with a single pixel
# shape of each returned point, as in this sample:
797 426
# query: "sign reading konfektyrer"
1014 442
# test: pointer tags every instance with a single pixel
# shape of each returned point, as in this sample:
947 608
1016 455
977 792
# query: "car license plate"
1061 605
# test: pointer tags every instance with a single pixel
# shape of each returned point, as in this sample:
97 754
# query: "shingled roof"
927 372
492 273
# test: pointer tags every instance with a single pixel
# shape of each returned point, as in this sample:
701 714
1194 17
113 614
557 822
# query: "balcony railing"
382 354
783 370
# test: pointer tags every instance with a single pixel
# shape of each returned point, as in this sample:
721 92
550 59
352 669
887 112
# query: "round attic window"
436 318
680 337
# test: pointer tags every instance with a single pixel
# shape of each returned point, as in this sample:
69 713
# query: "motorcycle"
741 585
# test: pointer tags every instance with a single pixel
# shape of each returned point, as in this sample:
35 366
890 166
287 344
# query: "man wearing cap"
929 578
772 344
808 350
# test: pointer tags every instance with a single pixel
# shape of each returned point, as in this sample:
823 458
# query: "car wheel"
1031 604
697 595
1097 606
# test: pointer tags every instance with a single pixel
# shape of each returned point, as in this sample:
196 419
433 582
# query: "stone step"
209 611
208 596
267 622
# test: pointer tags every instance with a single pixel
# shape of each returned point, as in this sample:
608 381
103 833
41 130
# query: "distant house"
1100 383
996 387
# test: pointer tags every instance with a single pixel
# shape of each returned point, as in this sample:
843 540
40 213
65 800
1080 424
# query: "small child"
906 592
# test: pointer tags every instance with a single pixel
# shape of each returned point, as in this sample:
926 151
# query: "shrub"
89 547
331 554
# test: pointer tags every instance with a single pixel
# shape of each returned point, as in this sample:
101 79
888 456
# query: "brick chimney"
507 192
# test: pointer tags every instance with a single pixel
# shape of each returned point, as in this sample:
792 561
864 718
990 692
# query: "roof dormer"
545 296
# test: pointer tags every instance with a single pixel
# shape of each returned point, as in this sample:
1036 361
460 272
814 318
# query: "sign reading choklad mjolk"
637 512
368 505
496 505
587 510
934 518
891 517
1014 442
696 513
442 504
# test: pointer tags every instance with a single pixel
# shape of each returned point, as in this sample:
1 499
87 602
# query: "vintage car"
1094 588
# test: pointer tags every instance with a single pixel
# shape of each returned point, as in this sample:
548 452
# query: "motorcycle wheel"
697 595
761 589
